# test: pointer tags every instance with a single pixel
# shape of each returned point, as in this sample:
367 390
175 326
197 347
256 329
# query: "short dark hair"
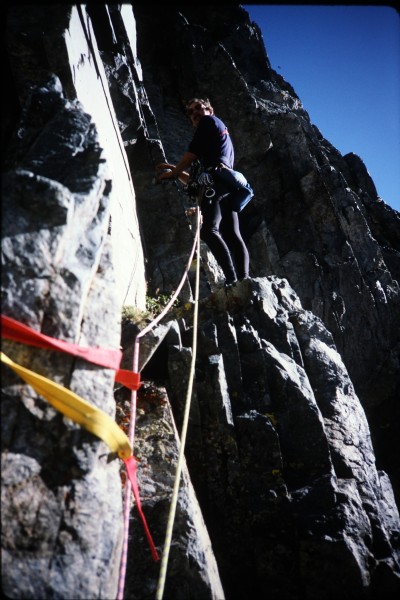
204 101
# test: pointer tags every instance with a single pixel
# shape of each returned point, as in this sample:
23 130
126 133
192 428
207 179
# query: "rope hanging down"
98 422
127 498
174 501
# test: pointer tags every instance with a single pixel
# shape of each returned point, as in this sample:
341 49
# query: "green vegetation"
132 314
157 303
154 305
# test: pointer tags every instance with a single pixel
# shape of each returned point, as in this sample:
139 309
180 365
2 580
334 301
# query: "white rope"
135 366
174 501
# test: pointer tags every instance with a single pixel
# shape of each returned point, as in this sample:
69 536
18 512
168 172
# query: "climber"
212 145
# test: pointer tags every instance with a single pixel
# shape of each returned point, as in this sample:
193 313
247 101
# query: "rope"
171 517
132 424
128 487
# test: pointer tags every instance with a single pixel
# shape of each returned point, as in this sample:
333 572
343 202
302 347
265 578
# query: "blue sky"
343 61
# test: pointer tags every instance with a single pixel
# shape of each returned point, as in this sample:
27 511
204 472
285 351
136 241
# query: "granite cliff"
291 484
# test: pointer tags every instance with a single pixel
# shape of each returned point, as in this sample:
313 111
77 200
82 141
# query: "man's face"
196 111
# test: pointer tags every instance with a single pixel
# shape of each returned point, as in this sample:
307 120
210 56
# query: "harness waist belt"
220 165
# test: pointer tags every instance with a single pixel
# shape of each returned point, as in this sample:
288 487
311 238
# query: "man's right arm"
179 169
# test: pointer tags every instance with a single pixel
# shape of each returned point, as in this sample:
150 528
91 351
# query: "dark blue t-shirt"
212 143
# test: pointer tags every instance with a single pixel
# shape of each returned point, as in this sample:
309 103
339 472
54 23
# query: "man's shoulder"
212 121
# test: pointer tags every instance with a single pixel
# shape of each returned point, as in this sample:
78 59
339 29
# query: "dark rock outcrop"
291 485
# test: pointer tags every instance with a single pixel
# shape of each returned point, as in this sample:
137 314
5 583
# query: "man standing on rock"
212 145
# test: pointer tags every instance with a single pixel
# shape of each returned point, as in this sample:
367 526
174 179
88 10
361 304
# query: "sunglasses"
190 111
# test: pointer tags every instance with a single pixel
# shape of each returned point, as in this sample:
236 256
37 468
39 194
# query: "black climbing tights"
220 231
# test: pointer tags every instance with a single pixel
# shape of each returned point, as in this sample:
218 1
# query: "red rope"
131 468
127 498
16 331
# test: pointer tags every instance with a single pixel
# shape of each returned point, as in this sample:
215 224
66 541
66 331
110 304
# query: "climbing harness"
200 184
199 188
207 181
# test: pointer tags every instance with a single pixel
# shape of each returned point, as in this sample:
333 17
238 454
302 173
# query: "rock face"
291 485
